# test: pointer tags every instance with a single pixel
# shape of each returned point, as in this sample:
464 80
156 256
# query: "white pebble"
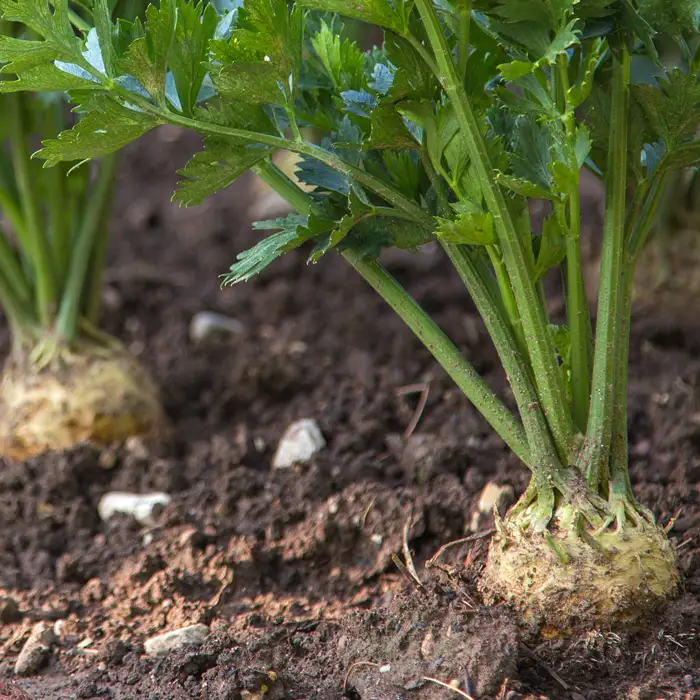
301 441
140 506
206 323
162 644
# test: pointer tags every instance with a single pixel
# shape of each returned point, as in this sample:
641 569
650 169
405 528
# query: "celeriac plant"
468 111
65 381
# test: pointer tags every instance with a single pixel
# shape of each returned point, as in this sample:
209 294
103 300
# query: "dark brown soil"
294 571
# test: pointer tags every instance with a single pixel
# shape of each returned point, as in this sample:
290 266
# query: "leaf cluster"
377 133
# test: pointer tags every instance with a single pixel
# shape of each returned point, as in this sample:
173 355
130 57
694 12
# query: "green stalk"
507 295
18 312
59 224
533 316
11 270
93 292
620 487
543 450
577 309
599 432
440 346
465 23
69 311
38 249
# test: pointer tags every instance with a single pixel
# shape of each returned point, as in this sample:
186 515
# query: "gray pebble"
163 644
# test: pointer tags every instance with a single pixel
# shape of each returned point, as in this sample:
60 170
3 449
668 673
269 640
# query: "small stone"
301 441
35 650
207 323
136 447
9 611
688 681
163 644
107 459
140 506
577 696
427 646
492 495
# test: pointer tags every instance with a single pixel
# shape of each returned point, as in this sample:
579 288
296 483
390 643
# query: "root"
57 397
593 561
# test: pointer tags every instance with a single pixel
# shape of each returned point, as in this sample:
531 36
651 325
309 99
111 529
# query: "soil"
294 571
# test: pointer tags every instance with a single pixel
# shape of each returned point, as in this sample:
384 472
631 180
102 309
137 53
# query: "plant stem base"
610 578
91 394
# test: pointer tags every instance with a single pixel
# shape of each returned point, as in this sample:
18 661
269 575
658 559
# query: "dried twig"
478 536
408 557
449 687
423 390
352 668
531 654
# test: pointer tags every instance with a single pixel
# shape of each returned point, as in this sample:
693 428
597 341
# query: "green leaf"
215 168
552 247
255 82
524 188
19 55
102 18
516 69
582 145
292 234
578 93
685 155
107 127
388 130
673 109
342 60
381 12
672 16
195 27
50 79
147 57
260 63
475 228
50 22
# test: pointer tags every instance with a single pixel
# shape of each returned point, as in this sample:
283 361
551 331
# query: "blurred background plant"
65 380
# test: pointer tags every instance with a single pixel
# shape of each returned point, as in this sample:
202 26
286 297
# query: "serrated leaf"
388 130
516 69
342 60
104 30
293 233
475 228
215 168
379 12
108 127
50 79
195 27
253 82
382 78
147 57
582 145
564 178
50 22
312 172
358 102
524 188
673 109
552 247
578 93
19 55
